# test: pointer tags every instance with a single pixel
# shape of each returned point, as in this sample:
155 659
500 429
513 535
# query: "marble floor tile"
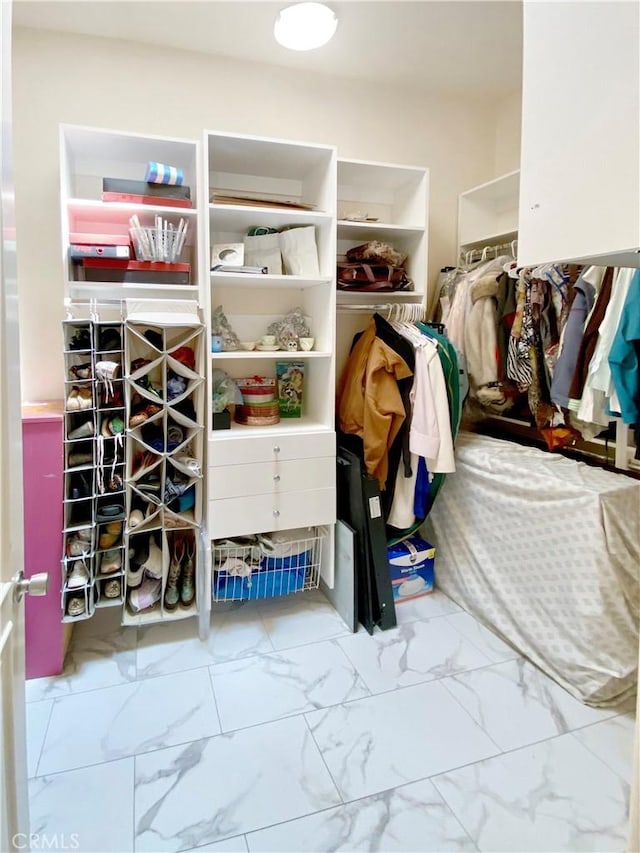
612 742
378 743
90 809
403 820
426 607
552 796
298 620
268 687
100 655
411 653
517 704
37 721
225 786
229 845
235 633
104 725
488 643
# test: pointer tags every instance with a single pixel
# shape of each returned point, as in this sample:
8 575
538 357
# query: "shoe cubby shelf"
94 460
165 405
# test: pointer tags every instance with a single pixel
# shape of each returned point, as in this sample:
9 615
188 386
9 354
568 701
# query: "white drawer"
264 513
248 449
264 478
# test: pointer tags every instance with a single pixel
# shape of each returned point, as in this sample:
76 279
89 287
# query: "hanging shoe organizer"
133 461
165 405
94 456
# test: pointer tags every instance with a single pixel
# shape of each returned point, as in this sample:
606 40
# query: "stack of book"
141 192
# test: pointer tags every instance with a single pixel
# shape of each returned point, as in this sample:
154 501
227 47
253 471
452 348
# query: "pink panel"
42 428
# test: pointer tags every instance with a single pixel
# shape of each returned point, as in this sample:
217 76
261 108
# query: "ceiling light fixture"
305 26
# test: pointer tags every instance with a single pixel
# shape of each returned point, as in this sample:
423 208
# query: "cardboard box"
412 568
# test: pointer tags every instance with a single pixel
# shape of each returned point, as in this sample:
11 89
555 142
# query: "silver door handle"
35 585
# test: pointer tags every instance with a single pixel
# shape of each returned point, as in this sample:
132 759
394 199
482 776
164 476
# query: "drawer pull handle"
276 477
276 513
276 449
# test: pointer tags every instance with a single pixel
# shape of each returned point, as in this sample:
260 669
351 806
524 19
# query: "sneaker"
176 385
111 589
110 535
78 576
146 595
75 605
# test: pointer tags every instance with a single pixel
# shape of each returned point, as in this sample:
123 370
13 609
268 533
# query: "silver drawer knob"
276 513
276 449
276 478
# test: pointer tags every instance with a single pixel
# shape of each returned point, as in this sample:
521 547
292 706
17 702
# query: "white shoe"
78 576
153 563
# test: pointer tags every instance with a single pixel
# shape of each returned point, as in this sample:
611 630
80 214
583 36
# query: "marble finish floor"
284 732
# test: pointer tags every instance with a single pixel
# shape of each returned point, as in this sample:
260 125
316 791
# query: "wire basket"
260 567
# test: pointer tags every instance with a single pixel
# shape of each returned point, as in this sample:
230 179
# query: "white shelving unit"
282 477
87 155
488 214
396 199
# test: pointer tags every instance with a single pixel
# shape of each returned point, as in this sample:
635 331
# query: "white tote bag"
299 251
263 251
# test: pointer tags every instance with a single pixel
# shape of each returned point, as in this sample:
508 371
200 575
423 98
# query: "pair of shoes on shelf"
143 413
80 340
111 589
79 543
79 398
80 487
110 535
79 575
84 430
110 341
180 587
110 512
110 562
137 516
112 426
145 560
145 595
81 371
75 605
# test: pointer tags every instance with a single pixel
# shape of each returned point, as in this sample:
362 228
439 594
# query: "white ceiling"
466 46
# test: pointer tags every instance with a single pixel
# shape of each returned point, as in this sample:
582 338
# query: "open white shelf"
488 213
295 282
279 355
286 426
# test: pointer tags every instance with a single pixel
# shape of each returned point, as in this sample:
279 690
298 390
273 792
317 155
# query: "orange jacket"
369 401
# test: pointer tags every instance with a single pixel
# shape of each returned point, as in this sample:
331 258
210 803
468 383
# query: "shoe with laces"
75 605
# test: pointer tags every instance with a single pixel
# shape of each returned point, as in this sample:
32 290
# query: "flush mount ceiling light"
305 26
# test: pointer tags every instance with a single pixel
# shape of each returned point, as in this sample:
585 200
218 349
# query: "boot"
188 591
171 592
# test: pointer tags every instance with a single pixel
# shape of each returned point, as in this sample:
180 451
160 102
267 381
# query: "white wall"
508 129
110 83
